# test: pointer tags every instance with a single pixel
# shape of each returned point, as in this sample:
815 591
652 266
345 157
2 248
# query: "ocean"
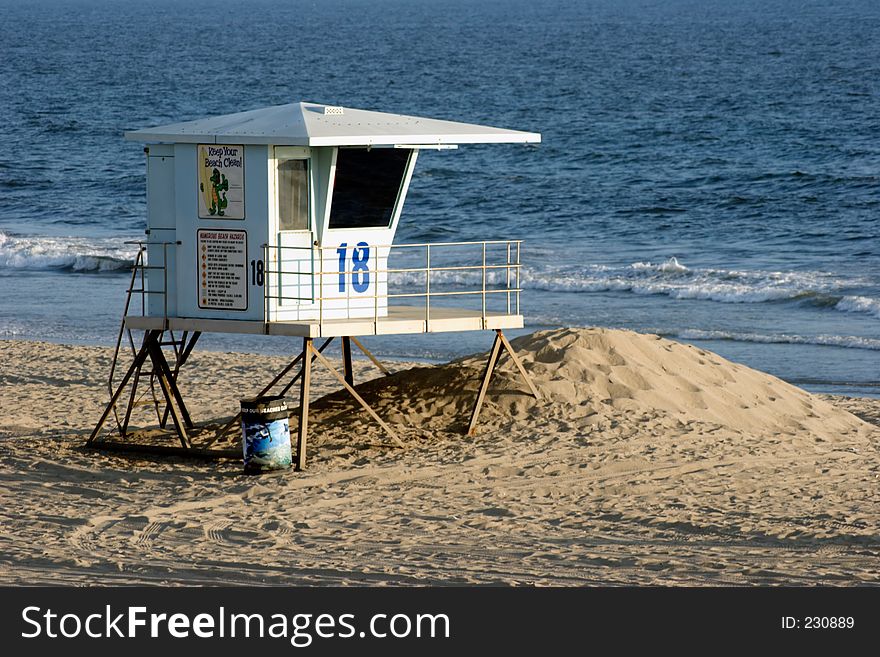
709 171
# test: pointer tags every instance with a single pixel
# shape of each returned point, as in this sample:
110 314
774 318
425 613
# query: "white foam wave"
671 266
859 305
846 341
673 279
66 253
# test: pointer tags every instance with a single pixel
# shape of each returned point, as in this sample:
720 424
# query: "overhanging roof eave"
426 140
364 140
160 137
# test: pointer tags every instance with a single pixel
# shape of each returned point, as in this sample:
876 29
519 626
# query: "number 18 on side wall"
360 271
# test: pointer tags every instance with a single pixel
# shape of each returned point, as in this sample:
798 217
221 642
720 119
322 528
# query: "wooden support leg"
346 360
359 399
367 353
189 347
305 384
171 394
487 376
519 365
161 365
182 356
136 364
235 420
123 429
299 374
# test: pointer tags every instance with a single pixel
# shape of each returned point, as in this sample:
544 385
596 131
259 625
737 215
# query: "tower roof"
313 124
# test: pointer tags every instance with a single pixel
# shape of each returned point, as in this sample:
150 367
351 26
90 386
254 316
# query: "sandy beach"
646 462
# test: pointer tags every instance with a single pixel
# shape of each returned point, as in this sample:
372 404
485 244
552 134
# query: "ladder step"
147 402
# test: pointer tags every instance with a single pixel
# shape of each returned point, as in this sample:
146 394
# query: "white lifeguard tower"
281 221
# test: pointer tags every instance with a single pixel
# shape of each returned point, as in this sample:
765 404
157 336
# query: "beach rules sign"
221 181
222 274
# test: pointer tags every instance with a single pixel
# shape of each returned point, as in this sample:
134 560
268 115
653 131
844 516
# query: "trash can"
265 434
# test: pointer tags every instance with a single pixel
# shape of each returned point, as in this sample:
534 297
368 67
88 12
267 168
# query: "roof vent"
330 109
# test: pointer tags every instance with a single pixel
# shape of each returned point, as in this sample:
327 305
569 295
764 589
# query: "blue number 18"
360 271
342 251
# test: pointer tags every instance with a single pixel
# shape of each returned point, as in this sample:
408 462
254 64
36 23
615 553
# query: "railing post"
376 290
275 254
315 296
427 287
321 290
508 278
350 278
518 244
165 281
484 285
144 263
267 285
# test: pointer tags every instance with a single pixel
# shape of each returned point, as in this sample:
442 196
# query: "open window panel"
291 281
369 187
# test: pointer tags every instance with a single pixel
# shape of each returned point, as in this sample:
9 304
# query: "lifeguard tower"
281 221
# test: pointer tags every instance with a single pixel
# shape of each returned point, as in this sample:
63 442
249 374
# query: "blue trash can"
265 433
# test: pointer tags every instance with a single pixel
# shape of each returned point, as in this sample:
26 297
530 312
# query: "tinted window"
366 186
293 195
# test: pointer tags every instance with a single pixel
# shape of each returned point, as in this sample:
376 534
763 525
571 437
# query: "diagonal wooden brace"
181 357
305 382
519 365
499 343
369 355
139 360
354 394
484 386
182 421
237 417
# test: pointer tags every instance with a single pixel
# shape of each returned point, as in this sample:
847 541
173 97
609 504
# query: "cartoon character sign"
221 181
219 187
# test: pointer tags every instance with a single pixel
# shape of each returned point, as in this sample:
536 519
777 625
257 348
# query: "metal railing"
140 277
428 273
357 281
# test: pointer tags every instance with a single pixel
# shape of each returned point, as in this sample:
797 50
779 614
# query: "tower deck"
400 319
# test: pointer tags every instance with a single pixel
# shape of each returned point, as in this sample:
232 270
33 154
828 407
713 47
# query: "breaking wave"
859 305
677 281
73 254
846 341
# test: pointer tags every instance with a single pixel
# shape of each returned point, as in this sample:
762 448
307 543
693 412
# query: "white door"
291 285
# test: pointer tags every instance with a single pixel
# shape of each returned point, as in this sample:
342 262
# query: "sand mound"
603 377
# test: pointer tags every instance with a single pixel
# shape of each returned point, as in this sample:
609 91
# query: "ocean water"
709 170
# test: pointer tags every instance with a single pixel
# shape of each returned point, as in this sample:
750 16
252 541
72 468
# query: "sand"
646 462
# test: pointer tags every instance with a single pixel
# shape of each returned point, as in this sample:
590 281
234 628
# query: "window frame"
285 154
402 189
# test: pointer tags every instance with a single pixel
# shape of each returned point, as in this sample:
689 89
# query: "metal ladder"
182 347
